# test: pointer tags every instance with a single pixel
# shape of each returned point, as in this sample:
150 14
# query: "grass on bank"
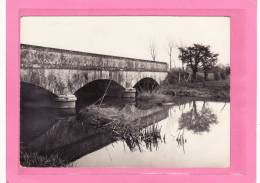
216 88
155 96
34 159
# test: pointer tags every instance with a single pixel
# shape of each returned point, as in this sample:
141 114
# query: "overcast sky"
128 36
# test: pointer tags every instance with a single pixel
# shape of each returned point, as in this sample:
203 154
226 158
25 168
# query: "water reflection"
148 136
198 121
181 140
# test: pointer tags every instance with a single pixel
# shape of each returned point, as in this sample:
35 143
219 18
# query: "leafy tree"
198 56
209 61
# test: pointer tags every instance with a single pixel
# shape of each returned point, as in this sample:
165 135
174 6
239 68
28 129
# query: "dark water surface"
190 133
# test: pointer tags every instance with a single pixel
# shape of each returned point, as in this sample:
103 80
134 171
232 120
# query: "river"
191 133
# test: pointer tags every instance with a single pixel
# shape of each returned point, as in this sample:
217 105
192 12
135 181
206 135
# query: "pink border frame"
243 89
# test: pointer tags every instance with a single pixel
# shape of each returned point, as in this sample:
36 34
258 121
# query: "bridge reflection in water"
182 139
71 139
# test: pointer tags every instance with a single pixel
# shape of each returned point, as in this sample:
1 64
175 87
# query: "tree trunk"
194 107
195 112
205 76
194 76
170 63
180 78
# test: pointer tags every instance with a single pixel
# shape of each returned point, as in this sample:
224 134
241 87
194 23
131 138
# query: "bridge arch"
94 90
31 94
146 84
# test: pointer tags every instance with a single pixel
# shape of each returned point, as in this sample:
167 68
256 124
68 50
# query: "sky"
128 36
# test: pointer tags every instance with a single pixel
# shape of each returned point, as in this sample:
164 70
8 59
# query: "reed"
137 138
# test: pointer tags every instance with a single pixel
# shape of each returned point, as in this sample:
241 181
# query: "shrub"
174 75
200 77
210 76
155 96
228 70
216 75
223 75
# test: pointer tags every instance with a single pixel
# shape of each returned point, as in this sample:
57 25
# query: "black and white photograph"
125 91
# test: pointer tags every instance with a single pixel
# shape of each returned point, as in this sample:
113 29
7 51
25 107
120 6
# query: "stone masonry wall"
63 72
36 56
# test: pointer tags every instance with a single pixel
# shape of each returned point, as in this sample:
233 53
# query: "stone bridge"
65 72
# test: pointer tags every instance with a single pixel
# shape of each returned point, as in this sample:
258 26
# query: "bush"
200 77
210 76
216 75
227 70
154 96
223 75
174 75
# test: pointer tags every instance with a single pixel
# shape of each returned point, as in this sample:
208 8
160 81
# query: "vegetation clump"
34 159
155 96
137 137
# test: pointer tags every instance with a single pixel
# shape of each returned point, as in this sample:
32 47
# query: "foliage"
223 75
209 60
227 70
216 75
198 56
176 76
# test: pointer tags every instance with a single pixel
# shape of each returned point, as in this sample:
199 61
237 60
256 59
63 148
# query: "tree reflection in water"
181 140
198 121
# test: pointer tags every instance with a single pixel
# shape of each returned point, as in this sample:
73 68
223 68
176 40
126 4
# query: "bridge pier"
129 93
65 101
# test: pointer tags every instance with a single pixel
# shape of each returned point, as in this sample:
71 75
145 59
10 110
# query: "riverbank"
209 90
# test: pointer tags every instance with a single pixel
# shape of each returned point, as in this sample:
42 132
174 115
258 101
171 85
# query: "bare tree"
180 44
153 51
170 49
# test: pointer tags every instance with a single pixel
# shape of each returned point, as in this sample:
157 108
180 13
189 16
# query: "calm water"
191 134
